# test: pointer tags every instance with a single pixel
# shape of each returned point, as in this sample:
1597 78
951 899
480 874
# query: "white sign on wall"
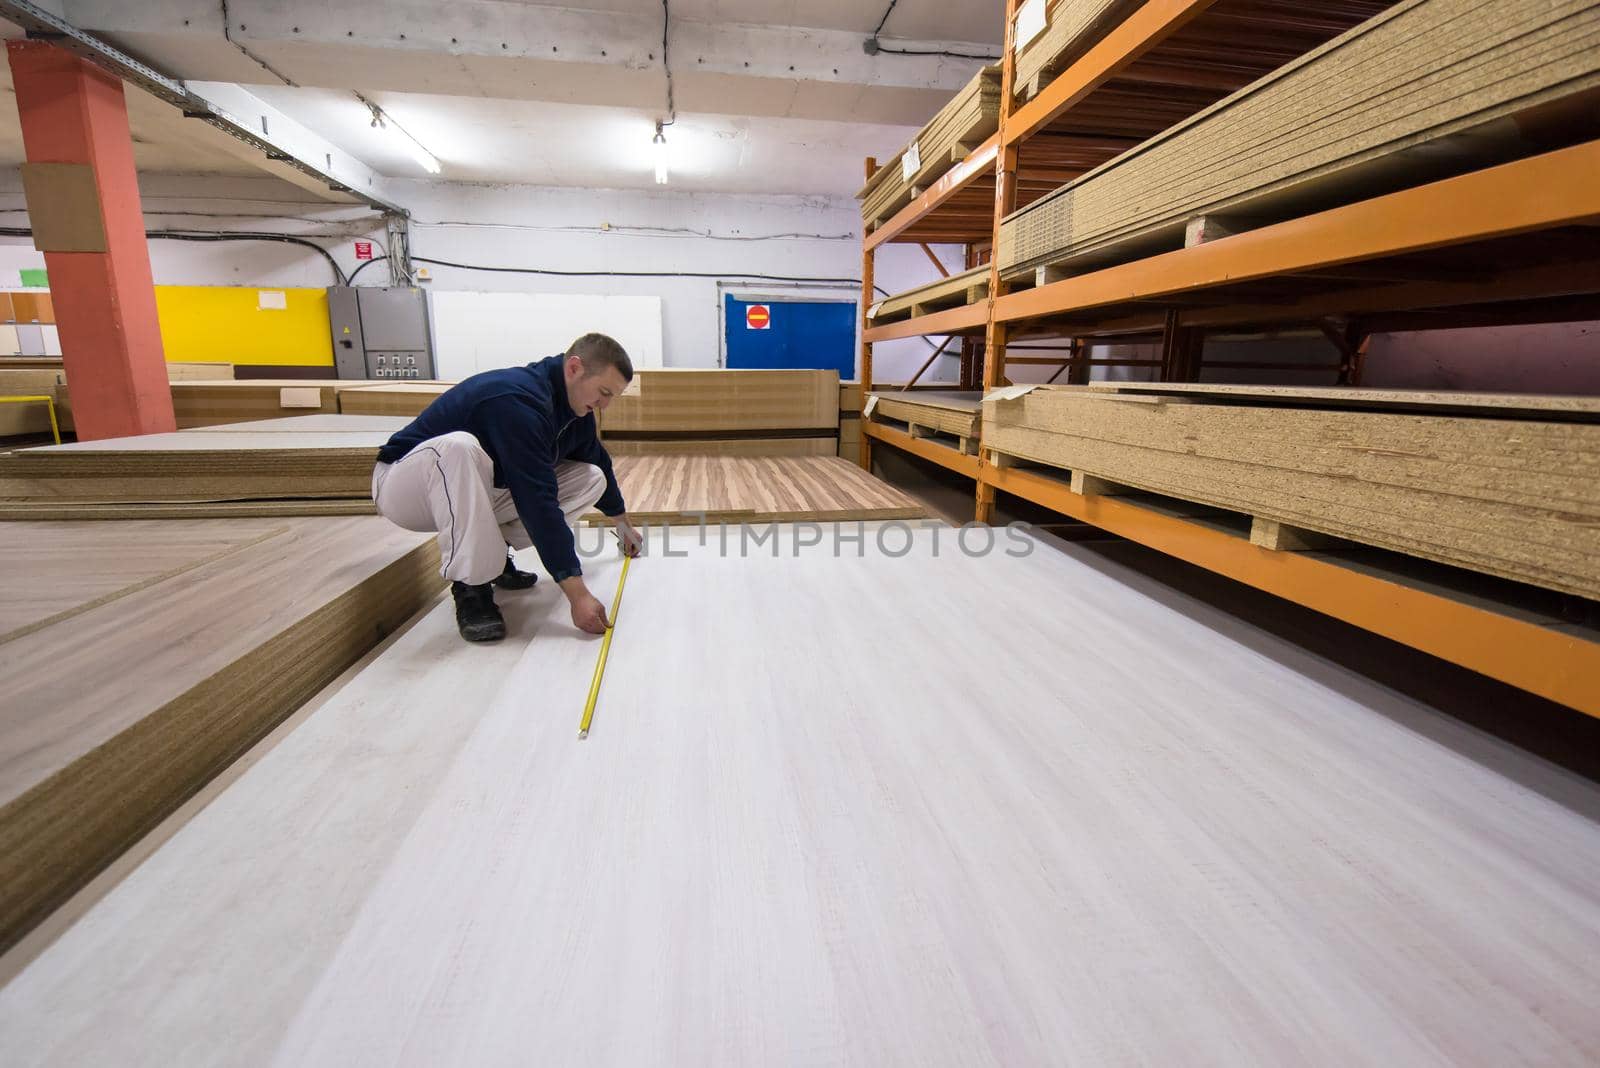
482 331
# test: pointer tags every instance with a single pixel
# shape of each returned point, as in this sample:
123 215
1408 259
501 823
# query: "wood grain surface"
797 835
675 489
138 658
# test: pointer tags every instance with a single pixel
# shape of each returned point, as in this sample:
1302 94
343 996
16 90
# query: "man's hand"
630 540
587 611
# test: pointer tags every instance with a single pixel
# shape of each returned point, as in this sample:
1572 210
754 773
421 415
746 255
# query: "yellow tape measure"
605 648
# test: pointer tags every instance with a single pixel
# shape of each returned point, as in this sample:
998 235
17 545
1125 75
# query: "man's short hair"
597 351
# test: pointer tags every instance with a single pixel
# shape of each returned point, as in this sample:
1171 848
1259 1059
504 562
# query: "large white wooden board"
814 824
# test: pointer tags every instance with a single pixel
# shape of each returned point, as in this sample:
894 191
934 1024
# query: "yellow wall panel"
239 325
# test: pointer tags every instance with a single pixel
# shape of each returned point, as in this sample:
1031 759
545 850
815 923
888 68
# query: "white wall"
725 237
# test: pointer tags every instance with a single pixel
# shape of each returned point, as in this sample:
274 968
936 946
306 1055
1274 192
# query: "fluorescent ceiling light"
659 148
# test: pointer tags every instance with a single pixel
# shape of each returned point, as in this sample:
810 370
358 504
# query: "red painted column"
73 112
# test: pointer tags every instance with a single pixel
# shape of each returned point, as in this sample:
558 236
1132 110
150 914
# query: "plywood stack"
749 413
968 287
1503 484
952 415
280 465
1072 27
688 489
959 127
139 659
850 420
1370 110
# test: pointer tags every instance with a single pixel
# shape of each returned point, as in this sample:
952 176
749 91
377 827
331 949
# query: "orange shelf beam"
943 455
1555 189
952 182
1558 666
952 320
1136 35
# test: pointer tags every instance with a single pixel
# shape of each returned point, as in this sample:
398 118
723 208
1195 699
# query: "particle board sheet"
137 659
407 400
849 396
907 857
960 126
1415 91
184 371
75 510
683 400
1517 498
958 290
949 412
807 446
677 489
208 464
1557 407
199 403
1072 27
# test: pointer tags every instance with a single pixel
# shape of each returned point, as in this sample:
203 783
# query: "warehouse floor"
1102 823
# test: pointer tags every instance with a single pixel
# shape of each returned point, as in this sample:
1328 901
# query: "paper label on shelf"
1030 23
866 409
872 312
300 397
272 300
910 163
1006 393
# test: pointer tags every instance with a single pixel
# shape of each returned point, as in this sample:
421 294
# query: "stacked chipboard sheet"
1427 88
138 659
285 461
850 420
1502 484
676 490
968 287
394 399
1071 28
959 127
725 412
929 413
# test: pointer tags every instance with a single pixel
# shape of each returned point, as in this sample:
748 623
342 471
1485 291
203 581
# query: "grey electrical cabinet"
381 332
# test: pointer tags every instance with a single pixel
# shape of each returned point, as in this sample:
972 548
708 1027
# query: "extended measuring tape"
605 647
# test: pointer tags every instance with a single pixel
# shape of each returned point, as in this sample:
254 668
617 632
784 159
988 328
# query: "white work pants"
446 484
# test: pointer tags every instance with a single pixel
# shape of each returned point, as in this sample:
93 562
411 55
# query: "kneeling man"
505 460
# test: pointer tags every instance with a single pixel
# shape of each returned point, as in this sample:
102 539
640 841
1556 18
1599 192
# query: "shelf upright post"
1005 202
865 458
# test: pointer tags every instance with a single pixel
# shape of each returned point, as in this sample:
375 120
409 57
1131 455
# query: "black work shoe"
477 617
512 579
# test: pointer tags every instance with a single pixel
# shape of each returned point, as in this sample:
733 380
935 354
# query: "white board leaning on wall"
481 331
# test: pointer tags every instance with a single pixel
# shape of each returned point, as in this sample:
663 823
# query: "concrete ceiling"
771 96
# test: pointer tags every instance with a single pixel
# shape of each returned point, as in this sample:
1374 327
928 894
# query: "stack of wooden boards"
138 659
968 287
725 413
46 377
1369 111
217 400
407 399
1503 484
951 415
682 490
1071 28
305 465
959 127
850 420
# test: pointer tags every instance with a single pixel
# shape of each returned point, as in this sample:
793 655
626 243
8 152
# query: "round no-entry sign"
758 317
